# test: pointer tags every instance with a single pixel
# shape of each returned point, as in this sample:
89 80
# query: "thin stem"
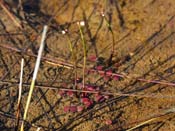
113 40
73 54
153 118
34 76
58 62
84 51
150 95
19 95
53 61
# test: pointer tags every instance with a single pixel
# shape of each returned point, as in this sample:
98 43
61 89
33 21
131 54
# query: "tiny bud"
81 23
63 32
102 14
131 53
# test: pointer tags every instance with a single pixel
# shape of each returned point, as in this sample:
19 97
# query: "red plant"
80 108
86 101
99 68
109 73
72 108
66 108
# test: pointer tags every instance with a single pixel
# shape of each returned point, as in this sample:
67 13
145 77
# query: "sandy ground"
142 34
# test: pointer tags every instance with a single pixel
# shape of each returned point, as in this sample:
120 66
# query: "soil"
134 38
